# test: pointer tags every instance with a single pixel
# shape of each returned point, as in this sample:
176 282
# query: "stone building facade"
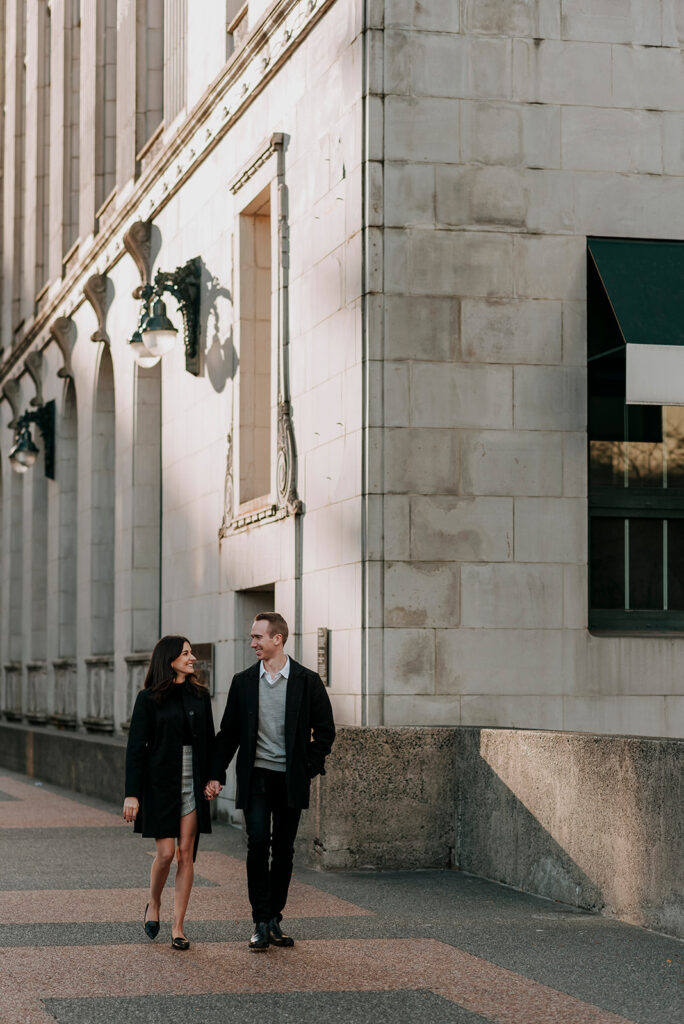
380 424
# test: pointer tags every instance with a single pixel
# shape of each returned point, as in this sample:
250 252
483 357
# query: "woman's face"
183 664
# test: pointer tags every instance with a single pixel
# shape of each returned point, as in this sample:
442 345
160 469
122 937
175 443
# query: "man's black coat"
309 731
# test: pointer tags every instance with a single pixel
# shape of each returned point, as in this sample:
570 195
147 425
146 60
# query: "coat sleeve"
228 737
136 750
322 727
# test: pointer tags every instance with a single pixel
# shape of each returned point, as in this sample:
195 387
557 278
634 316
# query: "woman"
167 767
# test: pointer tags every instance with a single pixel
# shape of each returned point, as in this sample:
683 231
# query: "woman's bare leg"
185 872
158 875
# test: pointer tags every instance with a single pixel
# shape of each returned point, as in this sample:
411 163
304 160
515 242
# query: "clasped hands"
212 789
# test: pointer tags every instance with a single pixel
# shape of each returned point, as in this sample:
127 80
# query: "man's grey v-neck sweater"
270 748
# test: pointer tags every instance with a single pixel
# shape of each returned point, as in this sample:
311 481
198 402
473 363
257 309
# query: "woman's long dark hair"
160 675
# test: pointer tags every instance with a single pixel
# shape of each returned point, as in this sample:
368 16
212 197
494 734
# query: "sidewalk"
435 947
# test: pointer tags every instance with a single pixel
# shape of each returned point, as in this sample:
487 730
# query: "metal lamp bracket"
184 285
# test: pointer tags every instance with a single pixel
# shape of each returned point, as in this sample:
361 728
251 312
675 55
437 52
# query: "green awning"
644 282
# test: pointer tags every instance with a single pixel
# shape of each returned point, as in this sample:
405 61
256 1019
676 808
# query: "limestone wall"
512 131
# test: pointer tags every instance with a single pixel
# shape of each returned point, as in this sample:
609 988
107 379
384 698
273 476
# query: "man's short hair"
277 624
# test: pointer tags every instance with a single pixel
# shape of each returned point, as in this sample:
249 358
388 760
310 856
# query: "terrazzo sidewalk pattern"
420 947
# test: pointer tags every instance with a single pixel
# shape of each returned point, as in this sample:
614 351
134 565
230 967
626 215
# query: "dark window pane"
645 563
645 423
675 564
606 417
606 463
644 464
673 430
607 540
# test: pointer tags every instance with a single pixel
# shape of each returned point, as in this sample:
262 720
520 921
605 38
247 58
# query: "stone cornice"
268 47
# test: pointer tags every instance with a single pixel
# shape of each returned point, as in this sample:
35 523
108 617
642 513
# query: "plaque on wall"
323 651
204 666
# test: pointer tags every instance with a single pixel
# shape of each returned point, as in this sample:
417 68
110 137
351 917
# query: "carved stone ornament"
62 332
34 366
95 291
286 464
138 244
228 488
10 392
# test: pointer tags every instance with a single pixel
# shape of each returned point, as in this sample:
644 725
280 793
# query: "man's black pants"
271 829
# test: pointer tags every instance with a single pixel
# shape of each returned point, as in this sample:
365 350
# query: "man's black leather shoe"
276 935
259 940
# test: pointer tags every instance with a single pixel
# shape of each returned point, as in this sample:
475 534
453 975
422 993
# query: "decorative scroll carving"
34 365
36 702
95 291
64 712
99 695
286 489
10 392
13 708
228 488
62 332
138 244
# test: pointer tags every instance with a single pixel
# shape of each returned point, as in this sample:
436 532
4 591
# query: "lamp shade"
158 332
23 452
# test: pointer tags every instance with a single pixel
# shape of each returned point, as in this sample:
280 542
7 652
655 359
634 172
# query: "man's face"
263 644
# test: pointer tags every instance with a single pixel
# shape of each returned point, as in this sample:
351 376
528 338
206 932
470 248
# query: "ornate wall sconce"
155 334
24 452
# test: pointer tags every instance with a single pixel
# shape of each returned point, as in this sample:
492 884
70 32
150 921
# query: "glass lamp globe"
158 333
141 354
23 452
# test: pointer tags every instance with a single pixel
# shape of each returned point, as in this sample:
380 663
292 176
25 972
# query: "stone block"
576 597
568 73
550 398
455 263
404 710
480 195
636 22
651 77
673 143
429 17
510 331
421 594
397 61
448 395
550 267
550 530
397 404
461 529
421 327
508 662
511 462
541 135
512 596
396 526
419 128
535 18
409 195
550 202
635 716
460 65
409 661
575 468
575 333
493 709
491 133
422 461
644 205
596 139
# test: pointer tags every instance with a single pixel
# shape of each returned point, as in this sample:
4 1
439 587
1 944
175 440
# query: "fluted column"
175 71
89 139
126 90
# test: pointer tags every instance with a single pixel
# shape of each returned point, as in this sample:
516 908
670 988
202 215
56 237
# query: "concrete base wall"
594 821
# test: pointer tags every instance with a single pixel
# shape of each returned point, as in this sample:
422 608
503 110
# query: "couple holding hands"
278 719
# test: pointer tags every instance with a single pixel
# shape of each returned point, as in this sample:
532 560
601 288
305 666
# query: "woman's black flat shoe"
180 943
151 927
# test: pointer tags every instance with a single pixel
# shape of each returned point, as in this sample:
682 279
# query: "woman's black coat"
309 732
154 760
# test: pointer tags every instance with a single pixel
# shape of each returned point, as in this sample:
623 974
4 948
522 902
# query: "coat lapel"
295 688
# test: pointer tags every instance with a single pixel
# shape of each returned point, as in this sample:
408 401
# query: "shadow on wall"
593 821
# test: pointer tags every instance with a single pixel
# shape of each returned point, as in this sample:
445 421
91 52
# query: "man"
279 719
